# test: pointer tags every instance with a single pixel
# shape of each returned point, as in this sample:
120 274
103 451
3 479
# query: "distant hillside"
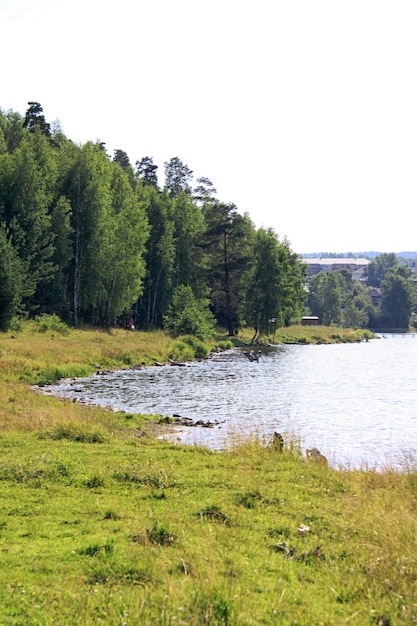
353 255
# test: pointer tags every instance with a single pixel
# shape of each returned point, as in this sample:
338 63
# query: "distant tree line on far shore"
386 298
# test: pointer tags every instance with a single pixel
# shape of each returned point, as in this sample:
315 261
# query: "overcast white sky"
301 112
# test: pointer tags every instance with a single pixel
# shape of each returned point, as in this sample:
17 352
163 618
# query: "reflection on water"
355 402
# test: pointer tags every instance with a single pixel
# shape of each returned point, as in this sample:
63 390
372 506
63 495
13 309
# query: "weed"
249 499
63 469
166 420
279 531
20 474
82 433
111 574
160 535
111 515
95 482
157 478
215 514
96 549
211 608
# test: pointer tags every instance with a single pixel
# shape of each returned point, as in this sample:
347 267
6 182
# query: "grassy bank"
102 523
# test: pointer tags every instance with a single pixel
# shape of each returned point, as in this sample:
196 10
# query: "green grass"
101 522
141 531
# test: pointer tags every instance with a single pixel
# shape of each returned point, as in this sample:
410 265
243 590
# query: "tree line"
386 298
94 239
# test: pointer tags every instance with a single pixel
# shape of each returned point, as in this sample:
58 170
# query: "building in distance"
354 265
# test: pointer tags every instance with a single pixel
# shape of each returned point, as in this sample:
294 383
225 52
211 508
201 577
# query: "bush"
181 351
201 349
47 322
188 315
225 345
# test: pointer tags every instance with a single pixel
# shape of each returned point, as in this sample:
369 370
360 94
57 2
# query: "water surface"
355 402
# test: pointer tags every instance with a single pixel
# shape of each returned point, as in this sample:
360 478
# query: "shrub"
46 322
181 351
112 515
225 345
201 349
188 315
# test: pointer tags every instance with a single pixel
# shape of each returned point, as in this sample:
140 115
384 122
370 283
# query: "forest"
93 239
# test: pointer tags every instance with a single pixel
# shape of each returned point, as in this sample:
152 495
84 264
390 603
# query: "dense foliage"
90 238
386 299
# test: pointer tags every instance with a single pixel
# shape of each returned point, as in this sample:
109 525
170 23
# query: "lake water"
356 402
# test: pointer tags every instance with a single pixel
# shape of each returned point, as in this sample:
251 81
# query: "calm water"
357 403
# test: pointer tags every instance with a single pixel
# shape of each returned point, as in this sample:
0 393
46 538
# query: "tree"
11 280
34 119
188 228
358 309
377 269
177 177
293 295
120 255
226 245
398 298
121 157
159 256
147 171
325 297
356 313
188 315
27 186
53 297
13 130
205 192
275 289
3 142
87 188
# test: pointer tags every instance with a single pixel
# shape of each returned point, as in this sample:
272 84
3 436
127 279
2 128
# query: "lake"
356 402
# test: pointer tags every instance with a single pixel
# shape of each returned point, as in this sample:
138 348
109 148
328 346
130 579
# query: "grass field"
103 523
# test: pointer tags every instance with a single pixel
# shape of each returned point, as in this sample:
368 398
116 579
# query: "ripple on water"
355 402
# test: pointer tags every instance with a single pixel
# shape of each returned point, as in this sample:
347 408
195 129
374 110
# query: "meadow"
102 522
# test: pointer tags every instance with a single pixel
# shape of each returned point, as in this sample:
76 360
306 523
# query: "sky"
303 113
